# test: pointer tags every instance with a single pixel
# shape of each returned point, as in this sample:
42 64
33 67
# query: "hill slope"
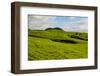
56 44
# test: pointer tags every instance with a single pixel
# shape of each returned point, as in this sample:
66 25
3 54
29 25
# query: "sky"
67 23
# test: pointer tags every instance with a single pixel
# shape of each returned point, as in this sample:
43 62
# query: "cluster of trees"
56 28
82 36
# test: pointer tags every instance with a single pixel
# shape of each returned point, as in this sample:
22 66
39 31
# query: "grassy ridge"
55 44
56 35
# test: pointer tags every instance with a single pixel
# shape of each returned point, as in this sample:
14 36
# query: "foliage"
56 28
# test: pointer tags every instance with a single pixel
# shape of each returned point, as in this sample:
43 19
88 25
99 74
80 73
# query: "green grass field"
56 44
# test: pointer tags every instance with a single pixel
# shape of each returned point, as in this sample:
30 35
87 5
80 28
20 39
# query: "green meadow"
54 43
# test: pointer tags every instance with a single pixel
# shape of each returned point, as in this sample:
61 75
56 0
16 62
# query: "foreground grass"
43 48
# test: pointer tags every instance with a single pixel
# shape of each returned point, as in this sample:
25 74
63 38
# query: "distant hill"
56 28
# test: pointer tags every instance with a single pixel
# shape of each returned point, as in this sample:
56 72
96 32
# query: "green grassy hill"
56 44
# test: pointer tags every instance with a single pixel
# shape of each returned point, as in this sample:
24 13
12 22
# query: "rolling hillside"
54 43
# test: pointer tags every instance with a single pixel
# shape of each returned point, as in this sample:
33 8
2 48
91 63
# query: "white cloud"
79 27
72 17
39 22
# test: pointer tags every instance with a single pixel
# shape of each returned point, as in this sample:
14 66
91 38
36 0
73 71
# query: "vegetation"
54 43
57 28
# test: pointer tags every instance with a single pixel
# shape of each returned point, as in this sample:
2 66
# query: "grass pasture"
56 44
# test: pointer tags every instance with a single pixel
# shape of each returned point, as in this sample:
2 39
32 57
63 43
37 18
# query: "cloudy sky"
67 23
